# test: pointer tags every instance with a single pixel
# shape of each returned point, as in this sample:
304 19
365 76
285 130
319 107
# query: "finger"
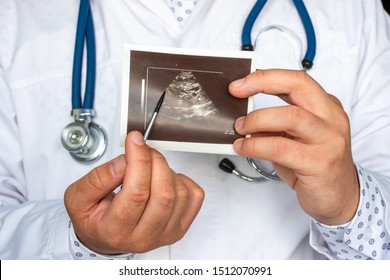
295 87
85 193
194 202
335 100
130 202
281 150
188 203
267 134
291 119
162 198
174 225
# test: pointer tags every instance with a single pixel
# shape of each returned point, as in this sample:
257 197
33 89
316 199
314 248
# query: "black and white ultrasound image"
186 99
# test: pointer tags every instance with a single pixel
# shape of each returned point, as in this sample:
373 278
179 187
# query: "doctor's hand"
155 206
308 142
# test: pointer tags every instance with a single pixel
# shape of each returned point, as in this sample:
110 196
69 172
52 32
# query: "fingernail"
137 138
116 166
238 144
239 124
238 83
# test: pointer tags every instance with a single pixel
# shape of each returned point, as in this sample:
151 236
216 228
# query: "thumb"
88 191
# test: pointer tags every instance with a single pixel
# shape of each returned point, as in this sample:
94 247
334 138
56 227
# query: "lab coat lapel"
159 8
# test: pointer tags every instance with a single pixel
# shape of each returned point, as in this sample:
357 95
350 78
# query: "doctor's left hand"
155 206
308 141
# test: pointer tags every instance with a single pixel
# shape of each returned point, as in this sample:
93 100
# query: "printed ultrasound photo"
198 110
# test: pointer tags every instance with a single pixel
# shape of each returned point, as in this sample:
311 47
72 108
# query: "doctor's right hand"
155 206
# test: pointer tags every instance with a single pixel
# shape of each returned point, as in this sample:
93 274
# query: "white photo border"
175 145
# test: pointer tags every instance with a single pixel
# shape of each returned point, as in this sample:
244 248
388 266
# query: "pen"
154 116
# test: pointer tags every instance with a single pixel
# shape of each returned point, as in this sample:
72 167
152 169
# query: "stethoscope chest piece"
85 140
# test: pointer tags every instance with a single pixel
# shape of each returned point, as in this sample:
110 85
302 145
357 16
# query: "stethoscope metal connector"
85 140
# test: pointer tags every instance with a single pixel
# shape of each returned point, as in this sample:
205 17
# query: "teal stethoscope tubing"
85 32
307 61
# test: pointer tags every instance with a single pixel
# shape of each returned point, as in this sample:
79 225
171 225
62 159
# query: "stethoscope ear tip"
227 166
247 47
307 64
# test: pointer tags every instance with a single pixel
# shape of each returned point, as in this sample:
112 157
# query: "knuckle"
182 192
199 193
295 113
159 160
94 179
166 199
259 74
157 155
330 157
302 77
140 196
335 100
190 188
344 123
279 147
248 145
144 161
253 120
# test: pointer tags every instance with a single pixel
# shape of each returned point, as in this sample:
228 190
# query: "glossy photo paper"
198 112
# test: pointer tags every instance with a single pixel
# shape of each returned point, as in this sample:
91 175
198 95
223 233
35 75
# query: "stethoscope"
86 141
307 63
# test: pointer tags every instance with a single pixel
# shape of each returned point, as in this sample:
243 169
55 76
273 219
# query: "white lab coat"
238 220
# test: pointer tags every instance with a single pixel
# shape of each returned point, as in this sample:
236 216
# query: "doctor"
331 150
